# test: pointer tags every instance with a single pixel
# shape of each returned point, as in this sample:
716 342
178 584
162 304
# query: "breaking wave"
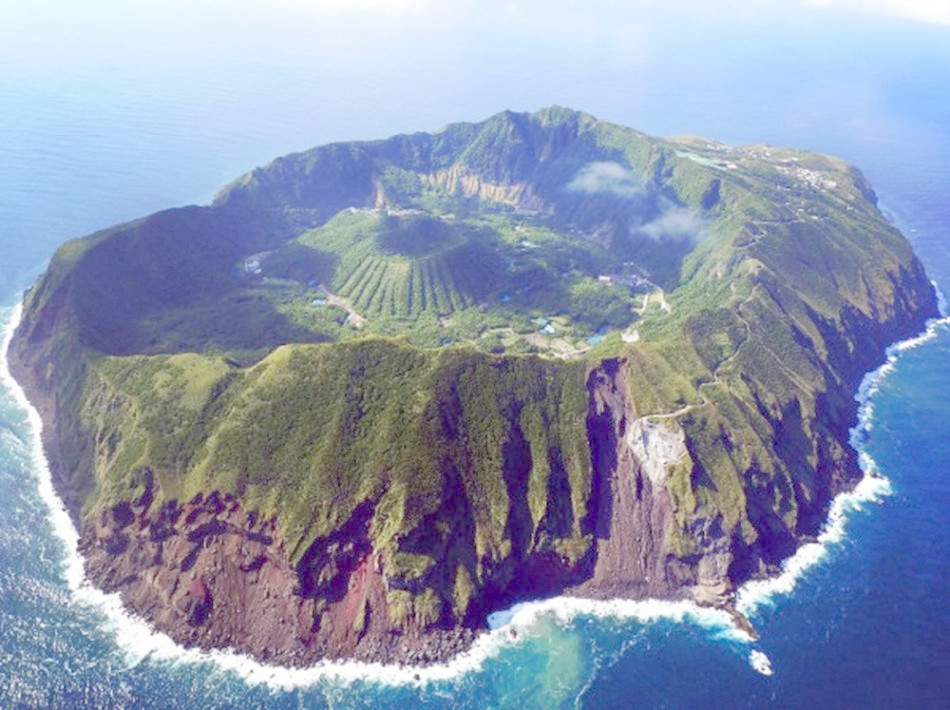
870 489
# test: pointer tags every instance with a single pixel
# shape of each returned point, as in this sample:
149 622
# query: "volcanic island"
378 390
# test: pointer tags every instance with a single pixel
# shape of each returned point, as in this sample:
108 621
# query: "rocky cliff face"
213 575
631 511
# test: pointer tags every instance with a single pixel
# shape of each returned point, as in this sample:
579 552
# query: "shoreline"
139 641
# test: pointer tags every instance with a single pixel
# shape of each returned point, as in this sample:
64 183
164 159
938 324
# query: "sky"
202 73
442 59
57 35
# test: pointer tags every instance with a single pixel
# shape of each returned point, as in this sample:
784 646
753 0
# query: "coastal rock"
213 575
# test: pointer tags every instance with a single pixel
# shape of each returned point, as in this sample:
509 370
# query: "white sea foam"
870 489
942 305
142 644
756 593
565 609
62 524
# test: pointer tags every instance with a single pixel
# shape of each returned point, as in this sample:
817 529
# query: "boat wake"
760 662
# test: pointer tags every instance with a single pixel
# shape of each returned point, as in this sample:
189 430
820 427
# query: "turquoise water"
863 620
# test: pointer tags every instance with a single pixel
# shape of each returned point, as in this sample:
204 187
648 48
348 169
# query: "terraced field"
404 267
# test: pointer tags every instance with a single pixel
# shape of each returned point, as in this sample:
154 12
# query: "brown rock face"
213 575
631 516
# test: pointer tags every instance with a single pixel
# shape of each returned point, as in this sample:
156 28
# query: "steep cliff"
376 391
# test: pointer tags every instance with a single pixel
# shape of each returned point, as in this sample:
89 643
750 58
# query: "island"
378 390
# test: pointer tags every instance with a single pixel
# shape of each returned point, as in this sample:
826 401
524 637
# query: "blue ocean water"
861 621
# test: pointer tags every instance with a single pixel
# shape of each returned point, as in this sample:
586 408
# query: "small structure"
252 265
319 301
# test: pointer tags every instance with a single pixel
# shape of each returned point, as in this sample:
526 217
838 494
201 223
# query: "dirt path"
356 319
559 347
717 380
659 296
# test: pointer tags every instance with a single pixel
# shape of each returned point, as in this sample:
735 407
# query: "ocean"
859 619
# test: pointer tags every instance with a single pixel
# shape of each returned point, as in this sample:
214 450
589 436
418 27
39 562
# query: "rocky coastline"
298 493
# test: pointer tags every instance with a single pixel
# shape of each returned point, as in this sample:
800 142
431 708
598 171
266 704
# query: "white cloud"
380 7
930 11
606 176
676 223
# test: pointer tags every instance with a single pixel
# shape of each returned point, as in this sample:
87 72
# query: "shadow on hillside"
167 283
241 320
